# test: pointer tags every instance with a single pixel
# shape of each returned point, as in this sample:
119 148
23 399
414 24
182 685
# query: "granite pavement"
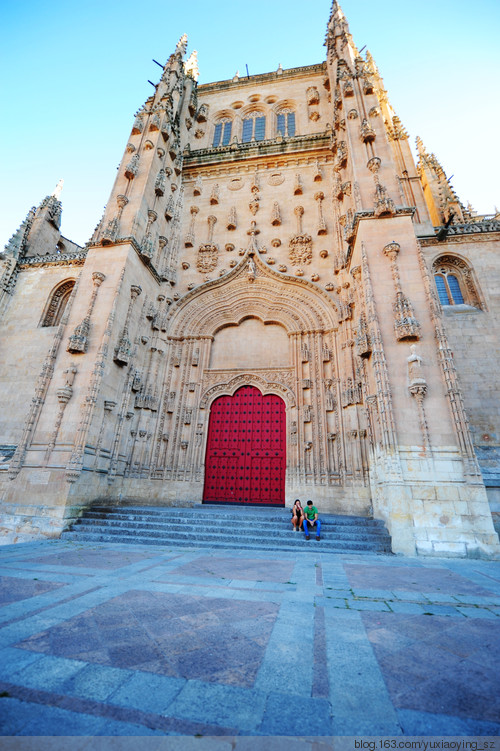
126 640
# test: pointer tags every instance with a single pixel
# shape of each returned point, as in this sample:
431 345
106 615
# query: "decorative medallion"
235 184
276 179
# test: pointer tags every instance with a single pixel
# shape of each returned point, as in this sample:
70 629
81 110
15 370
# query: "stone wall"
473 333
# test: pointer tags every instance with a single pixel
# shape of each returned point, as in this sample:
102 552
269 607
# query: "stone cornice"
462 233
56 259
273 147
306 70
370 214
133 242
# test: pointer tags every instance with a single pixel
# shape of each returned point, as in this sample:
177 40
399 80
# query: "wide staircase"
228 527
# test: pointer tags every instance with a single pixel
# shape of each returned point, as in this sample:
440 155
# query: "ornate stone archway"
276 386
321 451
253 289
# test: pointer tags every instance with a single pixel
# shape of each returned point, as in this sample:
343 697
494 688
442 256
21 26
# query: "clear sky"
73 73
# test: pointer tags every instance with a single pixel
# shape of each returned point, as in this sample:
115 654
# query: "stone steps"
231 527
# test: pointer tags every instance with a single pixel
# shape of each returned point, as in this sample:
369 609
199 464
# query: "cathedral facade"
277 303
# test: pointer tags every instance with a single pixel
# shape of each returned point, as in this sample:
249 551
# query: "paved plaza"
123 640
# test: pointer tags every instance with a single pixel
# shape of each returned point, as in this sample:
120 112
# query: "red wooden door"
246 449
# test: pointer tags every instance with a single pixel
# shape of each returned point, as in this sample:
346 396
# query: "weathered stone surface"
219 264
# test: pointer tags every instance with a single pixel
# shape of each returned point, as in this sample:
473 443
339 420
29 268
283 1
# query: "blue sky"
73 74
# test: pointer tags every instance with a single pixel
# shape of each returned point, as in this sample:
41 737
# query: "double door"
246 449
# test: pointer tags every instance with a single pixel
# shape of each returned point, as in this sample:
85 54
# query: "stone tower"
255 319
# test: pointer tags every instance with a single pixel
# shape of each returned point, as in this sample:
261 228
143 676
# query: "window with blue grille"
286 123
441 289
455 282
448 288
254 127
260 128
454 287
222 133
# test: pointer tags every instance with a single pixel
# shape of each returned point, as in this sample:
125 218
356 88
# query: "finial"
371 62
57 190
181 46
191 66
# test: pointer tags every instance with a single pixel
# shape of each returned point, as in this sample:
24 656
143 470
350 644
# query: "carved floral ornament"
296 304
248 379
300 250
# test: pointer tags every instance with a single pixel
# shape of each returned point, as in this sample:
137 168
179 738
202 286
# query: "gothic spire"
443 203
17 242
337 32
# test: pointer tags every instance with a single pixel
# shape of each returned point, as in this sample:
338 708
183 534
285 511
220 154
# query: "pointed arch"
265 386
56 303
455 281
296 304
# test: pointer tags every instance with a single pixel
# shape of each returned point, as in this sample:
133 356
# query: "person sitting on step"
311 519
297 515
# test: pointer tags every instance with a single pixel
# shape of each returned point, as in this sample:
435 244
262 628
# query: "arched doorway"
246 449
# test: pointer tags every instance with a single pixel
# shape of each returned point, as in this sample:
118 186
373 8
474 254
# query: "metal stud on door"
246 449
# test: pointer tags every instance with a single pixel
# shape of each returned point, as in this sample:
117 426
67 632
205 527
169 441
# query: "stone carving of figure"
251 270
70 374
415 374
57 190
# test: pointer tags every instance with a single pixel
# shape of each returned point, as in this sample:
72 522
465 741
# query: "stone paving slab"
119 640
414 578
15 589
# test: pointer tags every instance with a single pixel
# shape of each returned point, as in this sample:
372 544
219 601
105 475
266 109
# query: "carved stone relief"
78 341
406 325
208 254
268 382
300 247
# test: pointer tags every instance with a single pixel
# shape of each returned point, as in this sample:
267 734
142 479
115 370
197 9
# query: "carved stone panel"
208 258
300 250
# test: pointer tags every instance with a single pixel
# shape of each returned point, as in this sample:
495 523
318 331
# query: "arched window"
56 303
286 122
448 289
254 127
455 283
222 132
